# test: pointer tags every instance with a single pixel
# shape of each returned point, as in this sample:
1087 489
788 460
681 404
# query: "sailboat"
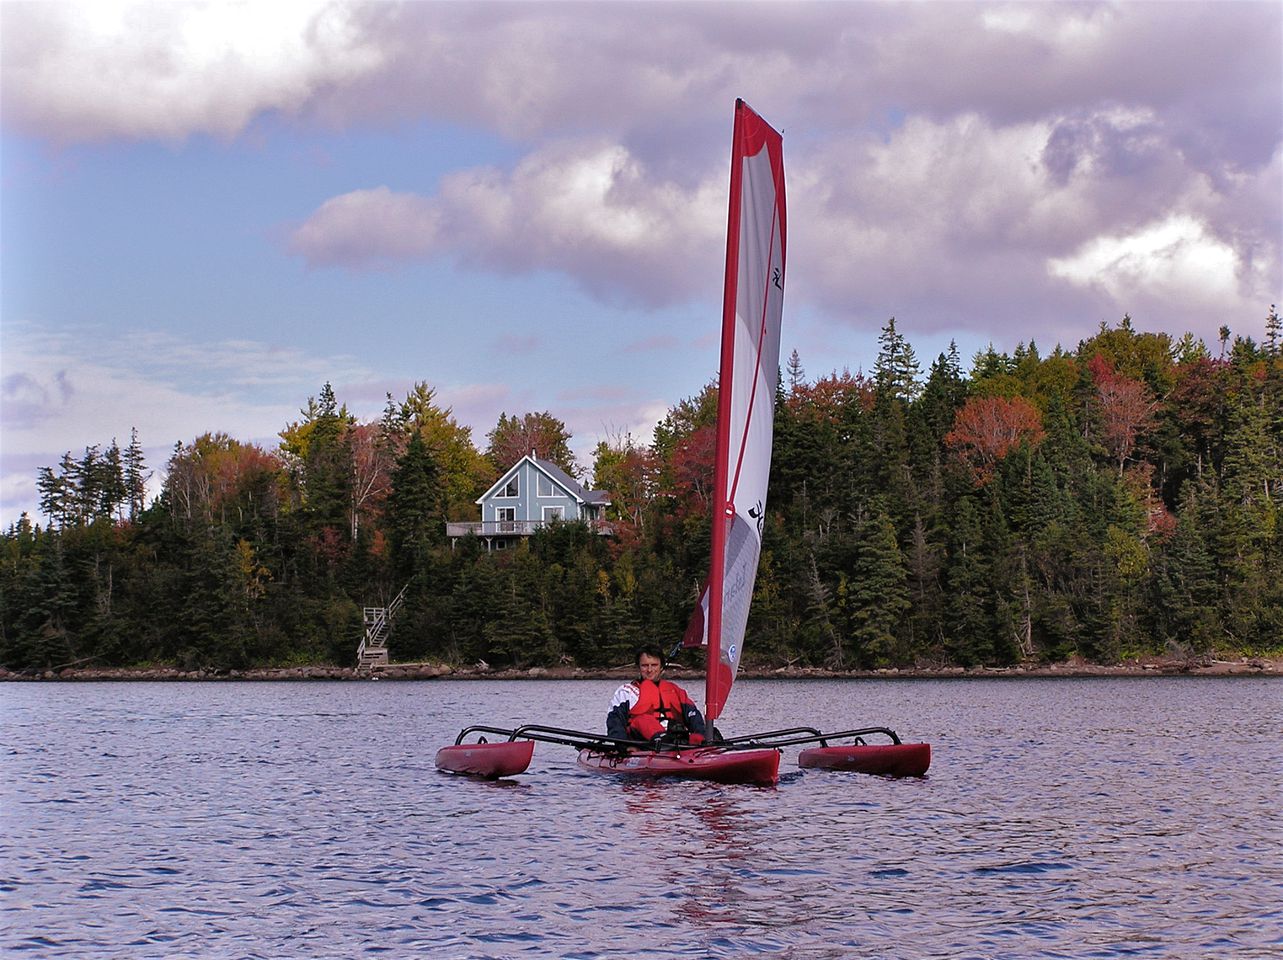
752 308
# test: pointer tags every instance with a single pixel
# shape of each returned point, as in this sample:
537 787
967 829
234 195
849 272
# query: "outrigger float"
753 759
752 307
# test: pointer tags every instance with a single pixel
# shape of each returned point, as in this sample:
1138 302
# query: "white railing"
373 649
514 528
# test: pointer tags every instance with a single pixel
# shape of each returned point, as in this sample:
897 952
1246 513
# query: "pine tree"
880 596
135 477
414 518
968 621
327 467
1273 332
896 372
1182 610
796 375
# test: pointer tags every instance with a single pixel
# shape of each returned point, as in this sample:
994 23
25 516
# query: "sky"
209 210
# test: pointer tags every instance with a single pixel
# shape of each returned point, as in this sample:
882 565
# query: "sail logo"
777 278
758 514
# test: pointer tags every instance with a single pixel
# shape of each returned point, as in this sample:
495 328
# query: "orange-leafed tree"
987 429
1126 409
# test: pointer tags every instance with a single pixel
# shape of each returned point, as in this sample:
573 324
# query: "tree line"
1109 501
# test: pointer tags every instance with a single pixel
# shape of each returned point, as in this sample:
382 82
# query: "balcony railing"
517 528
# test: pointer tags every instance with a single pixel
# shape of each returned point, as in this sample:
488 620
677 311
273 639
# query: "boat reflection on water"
709 843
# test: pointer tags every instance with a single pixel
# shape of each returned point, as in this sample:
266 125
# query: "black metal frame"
581 740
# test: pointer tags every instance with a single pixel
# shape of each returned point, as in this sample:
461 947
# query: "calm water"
1061 818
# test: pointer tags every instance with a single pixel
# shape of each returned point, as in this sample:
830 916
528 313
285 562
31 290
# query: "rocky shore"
1156 666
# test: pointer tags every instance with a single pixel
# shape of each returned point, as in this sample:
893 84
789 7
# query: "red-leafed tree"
830 396
539 433
987 429
693 466
1126 409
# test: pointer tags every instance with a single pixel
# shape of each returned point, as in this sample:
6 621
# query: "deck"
516 528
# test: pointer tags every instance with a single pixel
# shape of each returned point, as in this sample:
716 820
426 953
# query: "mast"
752 303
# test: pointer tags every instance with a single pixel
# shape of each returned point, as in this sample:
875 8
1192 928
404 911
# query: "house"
530 495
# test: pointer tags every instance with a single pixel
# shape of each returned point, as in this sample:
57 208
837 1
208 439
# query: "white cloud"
89 71
368 227
589 209
1175 258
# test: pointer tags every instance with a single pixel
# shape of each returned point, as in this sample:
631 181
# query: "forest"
1115 500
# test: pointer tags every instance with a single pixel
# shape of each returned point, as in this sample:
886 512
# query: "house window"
553 513
544 486
507 517
510 489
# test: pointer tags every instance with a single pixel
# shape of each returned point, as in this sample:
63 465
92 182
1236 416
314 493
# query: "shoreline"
1148 667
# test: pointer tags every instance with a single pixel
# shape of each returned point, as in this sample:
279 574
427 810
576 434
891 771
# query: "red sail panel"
752 305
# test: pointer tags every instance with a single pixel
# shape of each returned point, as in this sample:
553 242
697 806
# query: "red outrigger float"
752 306
488 760
889 760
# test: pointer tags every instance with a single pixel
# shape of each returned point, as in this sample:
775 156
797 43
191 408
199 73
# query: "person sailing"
650 708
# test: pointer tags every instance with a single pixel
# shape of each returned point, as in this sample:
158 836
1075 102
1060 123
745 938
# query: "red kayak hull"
491 760
697 763
889 759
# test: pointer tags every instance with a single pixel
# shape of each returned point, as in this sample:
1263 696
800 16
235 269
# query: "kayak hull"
697 763
889 760
489 760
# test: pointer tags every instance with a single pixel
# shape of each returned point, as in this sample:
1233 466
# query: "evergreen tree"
415 521
1273 332
327 467
896 372
796 375
135 477
1183 591
879 594
968 621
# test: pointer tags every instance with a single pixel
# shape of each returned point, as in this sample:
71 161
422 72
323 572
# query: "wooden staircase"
372 654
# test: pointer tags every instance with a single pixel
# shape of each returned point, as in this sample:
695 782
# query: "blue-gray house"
530 495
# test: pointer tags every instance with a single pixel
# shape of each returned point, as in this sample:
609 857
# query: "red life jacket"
657 704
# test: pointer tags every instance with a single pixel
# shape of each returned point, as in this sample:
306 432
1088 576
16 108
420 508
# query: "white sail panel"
750 370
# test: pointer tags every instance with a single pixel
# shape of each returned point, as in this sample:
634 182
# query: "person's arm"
621 705
693 718
617 722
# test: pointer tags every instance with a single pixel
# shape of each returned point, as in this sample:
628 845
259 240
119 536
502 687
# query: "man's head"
650 663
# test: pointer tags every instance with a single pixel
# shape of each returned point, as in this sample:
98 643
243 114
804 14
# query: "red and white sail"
752 306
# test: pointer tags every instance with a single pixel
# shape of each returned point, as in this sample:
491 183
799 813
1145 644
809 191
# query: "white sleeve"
627 693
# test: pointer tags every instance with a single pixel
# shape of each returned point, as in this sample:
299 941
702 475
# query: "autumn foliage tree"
539 433
1126 409
987 429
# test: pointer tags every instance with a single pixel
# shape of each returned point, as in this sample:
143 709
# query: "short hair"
650 650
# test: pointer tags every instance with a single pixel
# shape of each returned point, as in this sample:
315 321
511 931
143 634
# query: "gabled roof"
580 492
554 473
